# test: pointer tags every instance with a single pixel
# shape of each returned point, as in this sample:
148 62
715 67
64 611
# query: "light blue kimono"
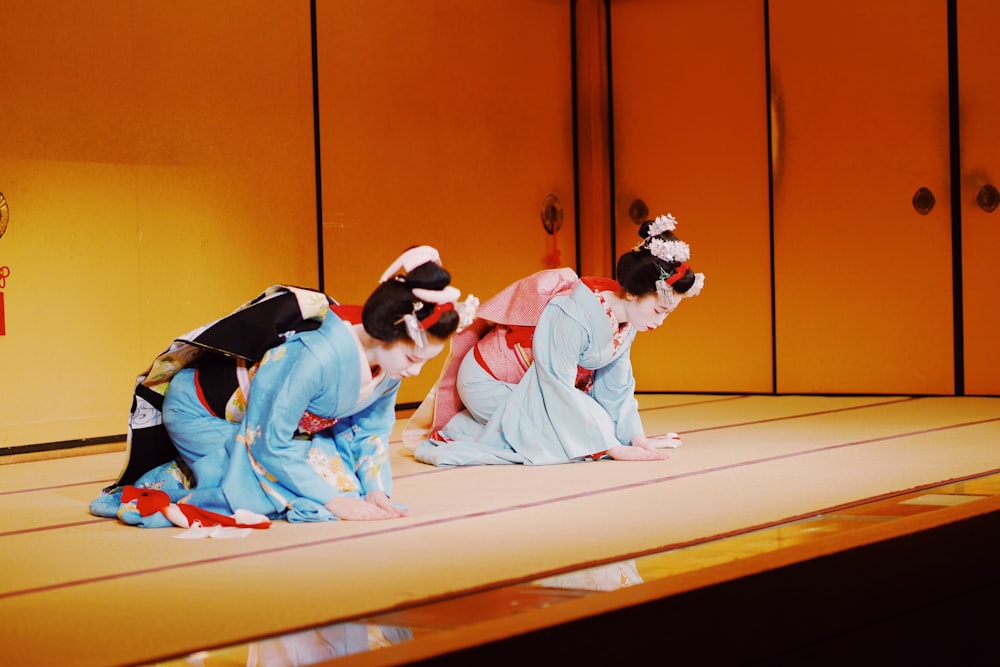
260 464
544 418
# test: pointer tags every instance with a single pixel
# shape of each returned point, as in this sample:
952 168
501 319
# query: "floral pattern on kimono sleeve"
288 377
331 468
369 434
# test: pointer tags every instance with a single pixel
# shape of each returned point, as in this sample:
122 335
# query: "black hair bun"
429 275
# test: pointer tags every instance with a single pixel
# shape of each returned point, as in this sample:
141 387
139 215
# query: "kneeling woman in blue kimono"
283 409
543 375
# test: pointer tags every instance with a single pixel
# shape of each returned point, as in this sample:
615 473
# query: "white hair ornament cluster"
443 299
674 252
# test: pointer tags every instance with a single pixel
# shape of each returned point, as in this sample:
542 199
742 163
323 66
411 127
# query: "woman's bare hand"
379 499
635 453
356 509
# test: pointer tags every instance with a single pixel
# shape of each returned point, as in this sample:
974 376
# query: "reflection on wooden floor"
778 518
331 645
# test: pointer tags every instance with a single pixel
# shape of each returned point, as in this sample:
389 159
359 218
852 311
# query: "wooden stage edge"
914 587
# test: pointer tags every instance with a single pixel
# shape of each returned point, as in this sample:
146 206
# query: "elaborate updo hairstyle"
384 313
640 269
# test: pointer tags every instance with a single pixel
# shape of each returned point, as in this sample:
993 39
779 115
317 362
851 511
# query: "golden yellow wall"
863 290
690 137
159 161
157 158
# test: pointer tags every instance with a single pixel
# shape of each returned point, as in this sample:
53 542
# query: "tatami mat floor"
760 483
375 632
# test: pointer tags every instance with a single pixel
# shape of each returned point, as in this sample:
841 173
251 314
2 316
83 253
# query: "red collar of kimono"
351 314
598 284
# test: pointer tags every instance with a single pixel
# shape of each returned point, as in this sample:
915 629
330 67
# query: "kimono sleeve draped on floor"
546 419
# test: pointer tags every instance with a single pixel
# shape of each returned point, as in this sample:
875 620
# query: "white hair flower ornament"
675 253
467 311
669 251
663 223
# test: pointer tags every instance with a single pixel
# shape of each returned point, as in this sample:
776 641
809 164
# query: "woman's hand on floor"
356 509
379 499
635 453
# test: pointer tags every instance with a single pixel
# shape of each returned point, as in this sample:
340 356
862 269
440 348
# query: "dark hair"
382 314
638 270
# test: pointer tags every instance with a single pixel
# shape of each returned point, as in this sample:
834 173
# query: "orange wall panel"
979 94
863 289
446 123
690 138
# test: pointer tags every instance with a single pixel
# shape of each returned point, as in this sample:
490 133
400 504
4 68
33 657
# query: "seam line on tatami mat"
497 511
712 428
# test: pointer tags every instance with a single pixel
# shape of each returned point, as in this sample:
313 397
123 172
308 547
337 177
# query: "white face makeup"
403 359
647 312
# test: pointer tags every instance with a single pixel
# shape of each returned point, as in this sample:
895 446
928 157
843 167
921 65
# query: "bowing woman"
283 409
544 376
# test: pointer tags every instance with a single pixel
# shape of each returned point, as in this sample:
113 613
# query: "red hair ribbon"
432 319
678 273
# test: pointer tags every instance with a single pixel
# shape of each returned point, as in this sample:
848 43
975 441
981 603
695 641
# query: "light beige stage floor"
78 590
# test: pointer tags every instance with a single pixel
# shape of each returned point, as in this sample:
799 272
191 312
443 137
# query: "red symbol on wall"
4 272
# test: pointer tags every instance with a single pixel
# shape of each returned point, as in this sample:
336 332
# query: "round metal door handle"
638 211
988 198
552 213
4 214
923 201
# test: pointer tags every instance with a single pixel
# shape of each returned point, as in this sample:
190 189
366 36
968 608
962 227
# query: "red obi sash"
311 423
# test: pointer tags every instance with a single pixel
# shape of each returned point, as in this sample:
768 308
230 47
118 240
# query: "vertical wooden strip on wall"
862 279
690 138
979 99
593 130
157 158
444 122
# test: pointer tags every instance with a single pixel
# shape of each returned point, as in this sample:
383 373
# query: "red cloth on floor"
151 501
